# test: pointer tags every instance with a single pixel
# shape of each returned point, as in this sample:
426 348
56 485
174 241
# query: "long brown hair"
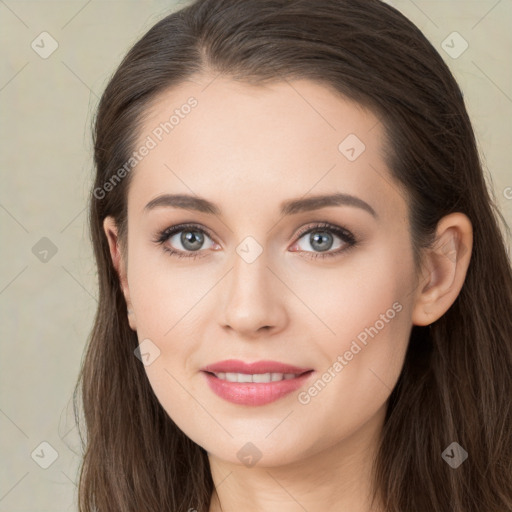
456 381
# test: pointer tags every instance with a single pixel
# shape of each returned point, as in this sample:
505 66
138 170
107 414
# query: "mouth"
252 387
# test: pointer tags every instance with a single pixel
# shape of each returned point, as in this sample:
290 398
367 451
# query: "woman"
305 295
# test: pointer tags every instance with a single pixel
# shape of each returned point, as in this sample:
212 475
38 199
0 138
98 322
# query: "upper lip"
236 366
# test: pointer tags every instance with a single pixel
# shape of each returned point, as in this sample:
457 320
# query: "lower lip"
251 393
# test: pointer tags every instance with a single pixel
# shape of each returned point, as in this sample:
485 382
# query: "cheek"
162 292
366 298
362 365
166 299
367 313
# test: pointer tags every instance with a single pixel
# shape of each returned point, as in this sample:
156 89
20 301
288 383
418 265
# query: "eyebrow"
289 207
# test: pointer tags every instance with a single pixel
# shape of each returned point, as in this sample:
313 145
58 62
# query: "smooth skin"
248 149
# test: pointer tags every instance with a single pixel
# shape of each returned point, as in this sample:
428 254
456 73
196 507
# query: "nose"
254 300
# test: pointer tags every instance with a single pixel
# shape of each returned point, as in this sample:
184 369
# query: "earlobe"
444 269
118 261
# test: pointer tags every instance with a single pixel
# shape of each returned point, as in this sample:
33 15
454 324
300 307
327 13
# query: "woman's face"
274 274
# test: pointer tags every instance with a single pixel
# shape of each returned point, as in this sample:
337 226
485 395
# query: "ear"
444 268
119 262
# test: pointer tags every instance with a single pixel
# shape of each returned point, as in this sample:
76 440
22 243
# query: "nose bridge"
249 278
252 299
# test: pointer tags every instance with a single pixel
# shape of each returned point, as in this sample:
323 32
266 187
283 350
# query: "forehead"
246 143
246 116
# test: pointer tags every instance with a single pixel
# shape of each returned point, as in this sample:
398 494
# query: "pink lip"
254 393
236 366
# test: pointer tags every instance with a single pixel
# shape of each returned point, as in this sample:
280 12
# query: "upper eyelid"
323 225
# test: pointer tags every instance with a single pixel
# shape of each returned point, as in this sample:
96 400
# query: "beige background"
47 307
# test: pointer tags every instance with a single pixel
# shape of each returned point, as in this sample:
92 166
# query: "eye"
191 237
321 238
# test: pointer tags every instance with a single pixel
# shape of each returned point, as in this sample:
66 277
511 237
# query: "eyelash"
342 233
